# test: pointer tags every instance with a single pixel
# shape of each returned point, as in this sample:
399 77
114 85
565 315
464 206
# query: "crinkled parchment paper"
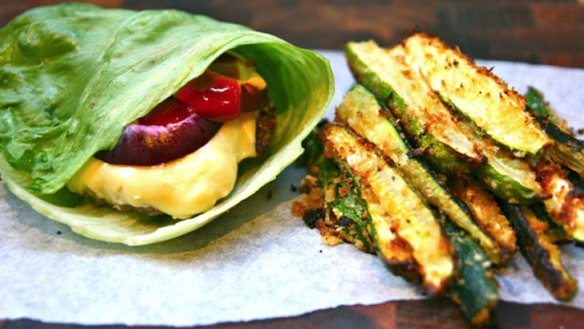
257 261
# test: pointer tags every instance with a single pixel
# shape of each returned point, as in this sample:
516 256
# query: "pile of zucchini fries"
438 167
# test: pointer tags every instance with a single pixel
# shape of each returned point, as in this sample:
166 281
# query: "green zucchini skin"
524 190
345 211
506 176
478 94
408 236
350 210
361 112
313 148
371 66
541 253
567 149
534 100
571 155
576 180
475 287
535 103
563 136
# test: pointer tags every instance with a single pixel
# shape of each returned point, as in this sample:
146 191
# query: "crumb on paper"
311 209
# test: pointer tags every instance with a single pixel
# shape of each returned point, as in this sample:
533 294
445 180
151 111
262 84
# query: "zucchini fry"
503 174
361 111
476 92
487 213
332 201
475 287
567 149
408 235
570 154
394 83
379 70
541 253
348 212
509 172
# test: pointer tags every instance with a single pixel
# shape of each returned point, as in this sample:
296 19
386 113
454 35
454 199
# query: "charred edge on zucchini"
567 149
576 180
565 206
475 287
399 88
541 253
408 236
476 92
362 113
487 213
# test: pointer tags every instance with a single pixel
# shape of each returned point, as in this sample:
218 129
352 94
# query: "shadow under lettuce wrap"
73 76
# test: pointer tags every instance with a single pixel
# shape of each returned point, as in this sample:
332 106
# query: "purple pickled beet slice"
170 131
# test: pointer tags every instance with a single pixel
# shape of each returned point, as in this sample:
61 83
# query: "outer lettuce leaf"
72 76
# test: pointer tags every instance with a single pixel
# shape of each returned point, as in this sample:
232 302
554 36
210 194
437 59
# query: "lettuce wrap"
73 76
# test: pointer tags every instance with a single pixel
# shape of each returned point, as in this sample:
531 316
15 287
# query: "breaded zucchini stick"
361 111
407 233
477 93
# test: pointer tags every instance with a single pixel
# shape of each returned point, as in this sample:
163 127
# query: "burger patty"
264 130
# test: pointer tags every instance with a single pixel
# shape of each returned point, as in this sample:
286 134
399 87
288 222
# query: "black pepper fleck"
312 216
345 221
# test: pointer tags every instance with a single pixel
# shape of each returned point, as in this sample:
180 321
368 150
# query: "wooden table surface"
537 31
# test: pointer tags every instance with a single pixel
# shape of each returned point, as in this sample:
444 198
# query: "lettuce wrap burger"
132 127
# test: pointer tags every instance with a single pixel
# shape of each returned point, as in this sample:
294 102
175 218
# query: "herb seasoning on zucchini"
445 172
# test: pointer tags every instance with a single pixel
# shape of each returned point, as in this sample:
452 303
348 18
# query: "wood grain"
535 31
420 314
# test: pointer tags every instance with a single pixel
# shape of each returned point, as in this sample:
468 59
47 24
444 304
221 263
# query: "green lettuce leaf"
72 76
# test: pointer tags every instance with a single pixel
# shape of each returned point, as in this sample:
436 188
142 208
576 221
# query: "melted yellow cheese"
181 188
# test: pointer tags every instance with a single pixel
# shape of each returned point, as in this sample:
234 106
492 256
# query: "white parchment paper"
255 262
